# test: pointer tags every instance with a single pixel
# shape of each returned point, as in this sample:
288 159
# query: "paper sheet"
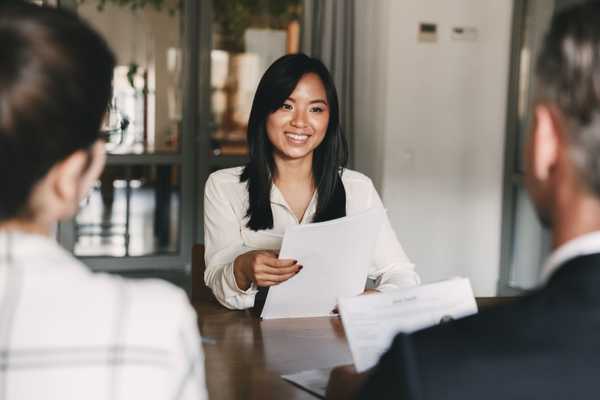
313 381
372 321
335 255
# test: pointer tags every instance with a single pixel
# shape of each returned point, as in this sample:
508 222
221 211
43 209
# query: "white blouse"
226 235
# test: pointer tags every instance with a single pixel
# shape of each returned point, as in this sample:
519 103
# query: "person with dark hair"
545 344
65 332
296 175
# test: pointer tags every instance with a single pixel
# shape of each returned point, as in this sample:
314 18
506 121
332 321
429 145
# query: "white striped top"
67 333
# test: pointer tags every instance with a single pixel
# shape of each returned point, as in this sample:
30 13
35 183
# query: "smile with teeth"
297 137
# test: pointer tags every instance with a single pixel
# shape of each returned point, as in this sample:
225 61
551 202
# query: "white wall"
430 129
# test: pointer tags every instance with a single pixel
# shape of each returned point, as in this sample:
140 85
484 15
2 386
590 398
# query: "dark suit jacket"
545 345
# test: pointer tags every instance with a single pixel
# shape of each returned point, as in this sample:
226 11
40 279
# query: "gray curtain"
328 34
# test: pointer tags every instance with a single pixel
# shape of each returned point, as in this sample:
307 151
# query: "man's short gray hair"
568 71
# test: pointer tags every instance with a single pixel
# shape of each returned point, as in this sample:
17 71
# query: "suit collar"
580 246
580 276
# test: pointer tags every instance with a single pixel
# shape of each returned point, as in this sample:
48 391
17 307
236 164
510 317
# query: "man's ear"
546 141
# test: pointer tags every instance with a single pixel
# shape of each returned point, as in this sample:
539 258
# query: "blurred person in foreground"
65 332
546 344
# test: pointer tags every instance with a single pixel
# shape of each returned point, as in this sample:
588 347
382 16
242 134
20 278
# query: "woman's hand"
263 268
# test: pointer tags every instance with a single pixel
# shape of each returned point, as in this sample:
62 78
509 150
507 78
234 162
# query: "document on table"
335 256
313 381
372 321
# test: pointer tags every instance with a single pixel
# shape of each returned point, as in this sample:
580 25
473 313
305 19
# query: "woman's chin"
295 154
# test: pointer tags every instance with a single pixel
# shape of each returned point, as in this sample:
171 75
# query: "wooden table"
246 356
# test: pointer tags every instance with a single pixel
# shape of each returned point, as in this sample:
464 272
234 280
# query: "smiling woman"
296 174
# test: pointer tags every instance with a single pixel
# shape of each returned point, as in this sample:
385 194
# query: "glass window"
537 18
248 35
132 211
136 208
147 81
52 3
527 243
531 244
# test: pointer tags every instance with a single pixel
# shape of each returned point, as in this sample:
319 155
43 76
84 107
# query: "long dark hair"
329 159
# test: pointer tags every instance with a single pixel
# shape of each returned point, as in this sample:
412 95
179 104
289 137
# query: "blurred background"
434 99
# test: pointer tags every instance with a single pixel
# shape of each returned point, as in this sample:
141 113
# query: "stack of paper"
336 256
372 321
